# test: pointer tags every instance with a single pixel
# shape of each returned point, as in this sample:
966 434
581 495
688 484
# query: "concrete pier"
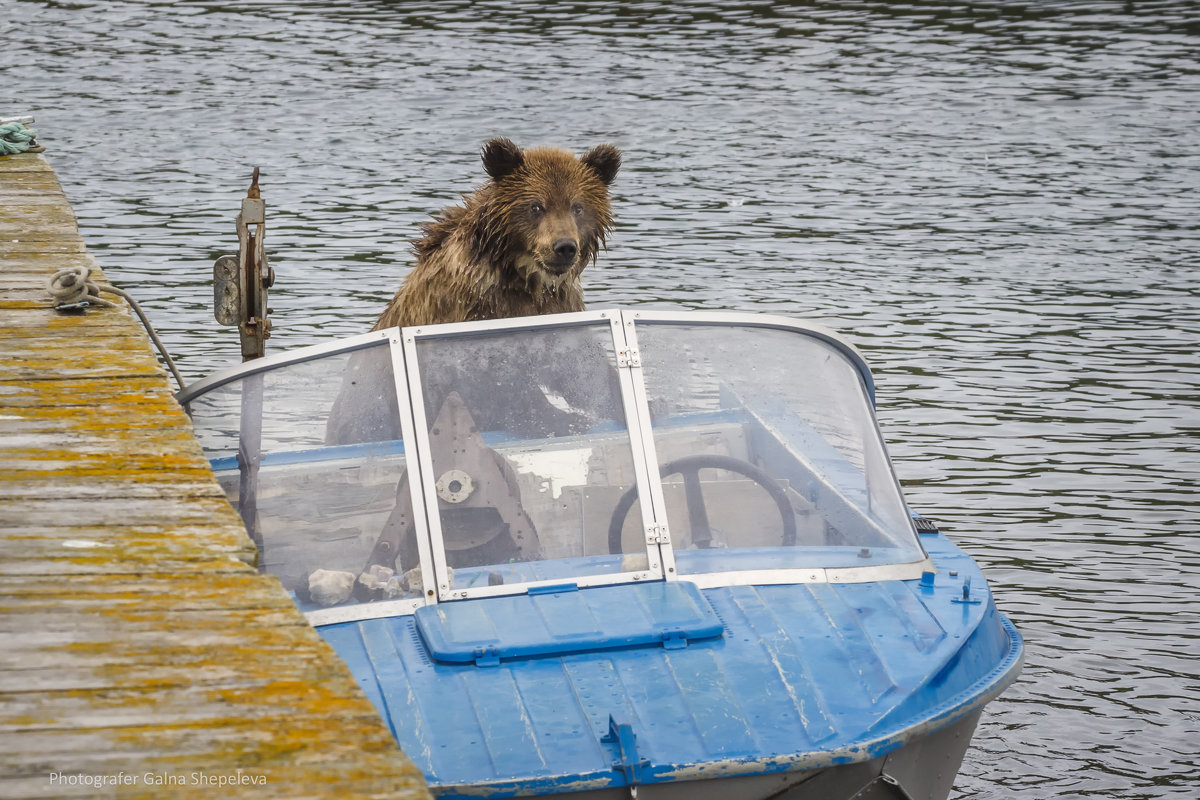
141 653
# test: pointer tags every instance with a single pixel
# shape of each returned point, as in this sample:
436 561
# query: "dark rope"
73 291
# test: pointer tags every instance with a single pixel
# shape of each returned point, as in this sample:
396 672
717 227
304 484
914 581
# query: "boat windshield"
312 455
434 464
777 433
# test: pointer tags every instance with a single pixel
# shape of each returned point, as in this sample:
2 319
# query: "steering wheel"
689 467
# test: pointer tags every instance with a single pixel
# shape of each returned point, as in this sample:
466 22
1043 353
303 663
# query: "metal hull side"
923 769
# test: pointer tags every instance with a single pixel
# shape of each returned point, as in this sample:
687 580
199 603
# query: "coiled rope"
73 291
16 138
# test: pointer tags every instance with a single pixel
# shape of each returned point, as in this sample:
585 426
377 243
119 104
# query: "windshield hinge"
657 534
629 357
674 640
487 656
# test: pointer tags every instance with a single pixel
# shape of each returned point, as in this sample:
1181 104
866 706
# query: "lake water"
998 203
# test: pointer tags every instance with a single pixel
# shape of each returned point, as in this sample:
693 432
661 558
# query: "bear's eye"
537 209
577 209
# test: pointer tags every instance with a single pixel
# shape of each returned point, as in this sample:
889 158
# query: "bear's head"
545 212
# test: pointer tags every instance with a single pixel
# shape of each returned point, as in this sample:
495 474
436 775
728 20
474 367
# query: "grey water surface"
998 202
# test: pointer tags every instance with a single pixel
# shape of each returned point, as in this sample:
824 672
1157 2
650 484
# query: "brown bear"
517 246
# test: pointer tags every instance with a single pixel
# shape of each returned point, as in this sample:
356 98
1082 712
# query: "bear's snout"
565 251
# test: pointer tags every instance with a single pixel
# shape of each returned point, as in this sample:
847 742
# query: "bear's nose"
565 249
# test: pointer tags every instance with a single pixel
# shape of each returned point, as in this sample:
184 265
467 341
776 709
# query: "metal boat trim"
266 363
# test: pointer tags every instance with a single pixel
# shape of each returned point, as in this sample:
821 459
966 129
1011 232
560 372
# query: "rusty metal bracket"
240 286
240 282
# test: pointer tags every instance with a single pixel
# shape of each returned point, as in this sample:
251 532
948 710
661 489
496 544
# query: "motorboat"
617 553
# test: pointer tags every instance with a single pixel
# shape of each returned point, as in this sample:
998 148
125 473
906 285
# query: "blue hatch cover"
567 620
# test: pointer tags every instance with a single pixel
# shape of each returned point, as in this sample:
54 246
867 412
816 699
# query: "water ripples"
995 202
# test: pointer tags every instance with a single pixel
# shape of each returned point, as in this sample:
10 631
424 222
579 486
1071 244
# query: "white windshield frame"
761 577
660 555
638 438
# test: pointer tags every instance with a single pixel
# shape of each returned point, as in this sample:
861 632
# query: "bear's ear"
501 157
604 160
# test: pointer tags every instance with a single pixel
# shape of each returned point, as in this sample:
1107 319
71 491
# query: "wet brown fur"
495 255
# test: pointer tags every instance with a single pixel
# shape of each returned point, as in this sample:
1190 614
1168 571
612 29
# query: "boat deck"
142 654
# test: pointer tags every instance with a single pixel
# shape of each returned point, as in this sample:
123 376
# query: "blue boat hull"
810 685
453 507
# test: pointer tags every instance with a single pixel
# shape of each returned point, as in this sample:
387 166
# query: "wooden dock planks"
141 655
